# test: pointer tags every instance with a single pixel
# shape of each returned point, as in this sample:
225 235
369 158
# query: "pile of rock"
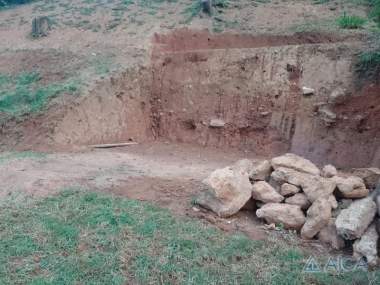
292 191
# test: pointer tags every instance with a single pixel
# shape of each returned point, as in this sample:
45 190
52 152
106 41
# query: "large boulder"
299 199
371 176
329 171
318 216
263 192
351 187
314 186
260 170
227 191
330 236
366 246
291 216
293 161
353 221
289 189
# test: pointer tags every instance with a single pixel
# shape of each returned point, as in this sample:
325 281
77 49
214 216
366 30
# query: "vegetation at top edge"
82 237
5 3
25 93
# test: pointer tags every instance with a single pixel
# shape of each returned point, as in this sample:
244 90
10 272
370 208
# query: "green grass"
25 93
351 22
368 66
81 237
9 156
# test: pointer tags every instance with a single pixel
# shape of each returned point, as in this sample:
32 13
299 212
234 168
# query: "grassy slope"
80 237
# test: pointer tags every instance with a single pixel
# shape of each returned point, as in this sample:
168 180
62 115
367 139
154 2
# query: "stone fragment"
262 191
260 170
318 216
353 221
329 171
217 123
351 187
293 161
289 189
307 91
371 176
366 246
290 216
299 199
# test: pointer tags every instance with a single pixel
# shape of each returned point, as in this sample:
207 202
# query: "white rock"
293 161
329 171
366 246
299 199
307 91
262 191
351 187
289 189
227 191
353 221
318 216
217 123
291 216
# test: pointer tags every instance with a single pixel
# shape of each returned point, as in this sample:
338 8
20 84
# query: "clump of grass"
81 237
350 22
9 156
368 66
375 10
24 93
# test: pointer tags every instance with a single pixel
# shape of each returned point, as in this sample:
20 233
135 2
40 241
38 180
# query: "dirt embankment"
250 85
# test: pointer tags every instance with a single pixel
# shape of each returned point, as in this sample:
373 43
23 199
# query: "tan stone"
289 189
227 191
262 191
351 187
329 171
293 161
260 170
330 236
371 176
291 216
318 216
299 199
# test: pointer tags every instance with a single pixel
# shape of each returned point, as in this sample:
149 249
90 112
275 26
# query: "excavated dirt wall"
252 85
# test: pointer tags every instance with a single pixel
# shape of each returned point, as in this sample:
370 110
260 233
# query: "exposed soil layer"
252 85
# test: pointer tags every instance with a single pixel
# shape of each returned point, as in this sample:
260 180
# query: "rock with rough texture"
351 187
289 189
353 221
371 176
327 116
243 166
329 171
338 96
293 161
260 170
298 199
227 191
313 186
262 191
330 236
217 123
333 202
318 216
291 216
366 246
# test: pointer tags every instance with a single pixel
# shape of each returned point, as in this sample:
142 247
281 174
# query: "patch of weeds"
81 237
375 10
24 93
351 22
367 66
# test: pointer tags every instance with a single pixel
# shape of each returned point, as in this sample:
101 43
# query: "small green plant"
350 22
368 66
375 10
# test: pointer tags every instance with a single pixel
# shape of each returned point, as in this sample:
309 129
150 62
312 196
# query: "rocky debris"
318 216
290 216
289 189
260 170
313 186
227 191
351 187
353 221
217 123
293 161
371 176
307 91
329 171
338 208
366 246
298 199
327 116
262 191
330 236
